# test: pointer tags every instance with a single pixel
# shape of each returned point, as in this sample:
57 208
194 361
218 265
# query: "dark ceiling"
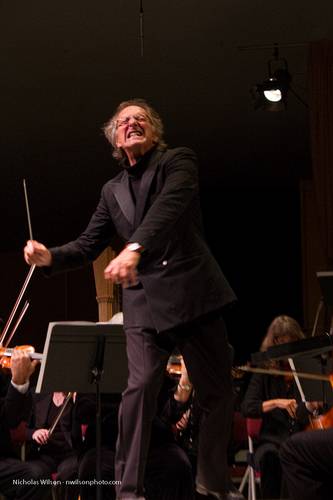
65 66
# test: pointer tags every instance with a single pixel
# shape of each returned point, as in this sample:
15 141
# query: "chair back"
18 438
239 431
18 434
253 427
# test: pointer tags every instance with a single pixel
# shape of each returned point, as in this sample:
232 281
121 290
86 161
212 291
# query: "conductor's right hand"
37 253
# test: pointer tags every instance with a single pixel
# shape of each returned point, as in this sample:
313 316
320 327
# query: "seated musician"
189 417
57 451
168 472
275 400
18 480
307 464
189 414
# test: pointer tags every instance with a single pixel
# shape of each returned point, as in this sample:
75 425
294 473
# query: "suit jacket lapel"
146 181
123 196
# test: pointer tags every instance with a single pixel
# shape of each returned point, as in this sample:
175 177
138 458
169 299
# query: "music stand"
313 390
309 355
79 354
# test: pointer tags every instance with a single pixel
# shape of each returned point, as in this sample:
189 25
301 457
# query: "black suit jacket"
14 408
180 278
71 431
276 424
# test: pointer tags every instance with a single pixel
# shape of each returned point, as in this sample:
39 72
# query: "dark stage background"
64 69
254 234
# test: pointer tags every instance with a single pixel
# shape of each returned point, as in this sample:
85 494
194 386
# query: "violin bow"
61 411
8 351
16 306
276 371
18 321
25 284
297 380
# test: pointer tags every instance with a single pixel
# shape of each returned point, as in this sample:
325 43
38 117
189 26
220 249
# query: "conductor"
173 292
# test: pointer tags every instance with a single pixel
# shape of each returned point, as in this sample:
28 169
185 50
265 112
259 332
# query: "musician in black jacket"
18 480
275 400
56 450
173 292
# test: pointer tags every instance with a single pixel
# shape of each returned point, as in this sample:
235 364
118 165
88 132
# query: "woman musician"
275 400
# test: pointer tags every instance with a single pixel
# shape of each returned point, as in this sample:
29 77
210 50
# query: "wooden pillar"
107 294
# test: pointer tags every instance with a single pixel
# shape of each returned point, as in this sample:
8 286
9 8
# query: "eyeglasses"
124 121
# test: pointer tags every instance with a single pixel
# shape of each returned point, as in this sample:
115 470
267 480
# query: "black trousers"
307 464
21 480
207 356
268 463
87 472
168 474
66 468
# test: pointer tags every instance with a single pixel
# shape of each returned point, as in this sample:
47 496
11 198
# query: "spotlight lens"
274 95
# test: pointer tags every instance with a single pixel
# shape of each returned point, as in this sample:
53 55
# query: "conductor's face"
134 132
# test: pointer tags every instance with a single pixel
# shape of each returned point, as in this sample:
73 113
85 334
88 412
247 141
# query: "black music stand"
80 355
312 346
313 389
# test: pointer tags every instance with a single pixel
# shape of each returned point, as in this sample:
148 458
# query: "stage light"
272 93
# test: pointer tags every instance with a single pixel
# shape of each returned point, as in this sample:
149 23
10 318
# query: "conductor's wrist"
135 247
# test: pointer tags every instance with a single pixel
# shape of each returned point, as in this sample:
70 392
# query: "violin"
6 355
319 422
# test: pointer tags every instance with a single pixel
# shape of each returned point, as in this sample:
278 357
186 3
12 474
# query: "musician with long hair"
275 400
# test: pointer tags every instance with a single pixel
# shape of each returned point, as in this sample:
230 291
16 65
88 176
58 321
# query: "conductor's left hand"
122 269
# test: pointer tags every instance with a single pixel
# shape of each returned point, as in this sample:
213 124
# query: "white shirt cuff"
22 388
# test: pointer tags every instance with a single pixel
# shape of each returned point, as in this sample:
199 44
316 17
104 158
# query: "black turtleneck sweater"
135 173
